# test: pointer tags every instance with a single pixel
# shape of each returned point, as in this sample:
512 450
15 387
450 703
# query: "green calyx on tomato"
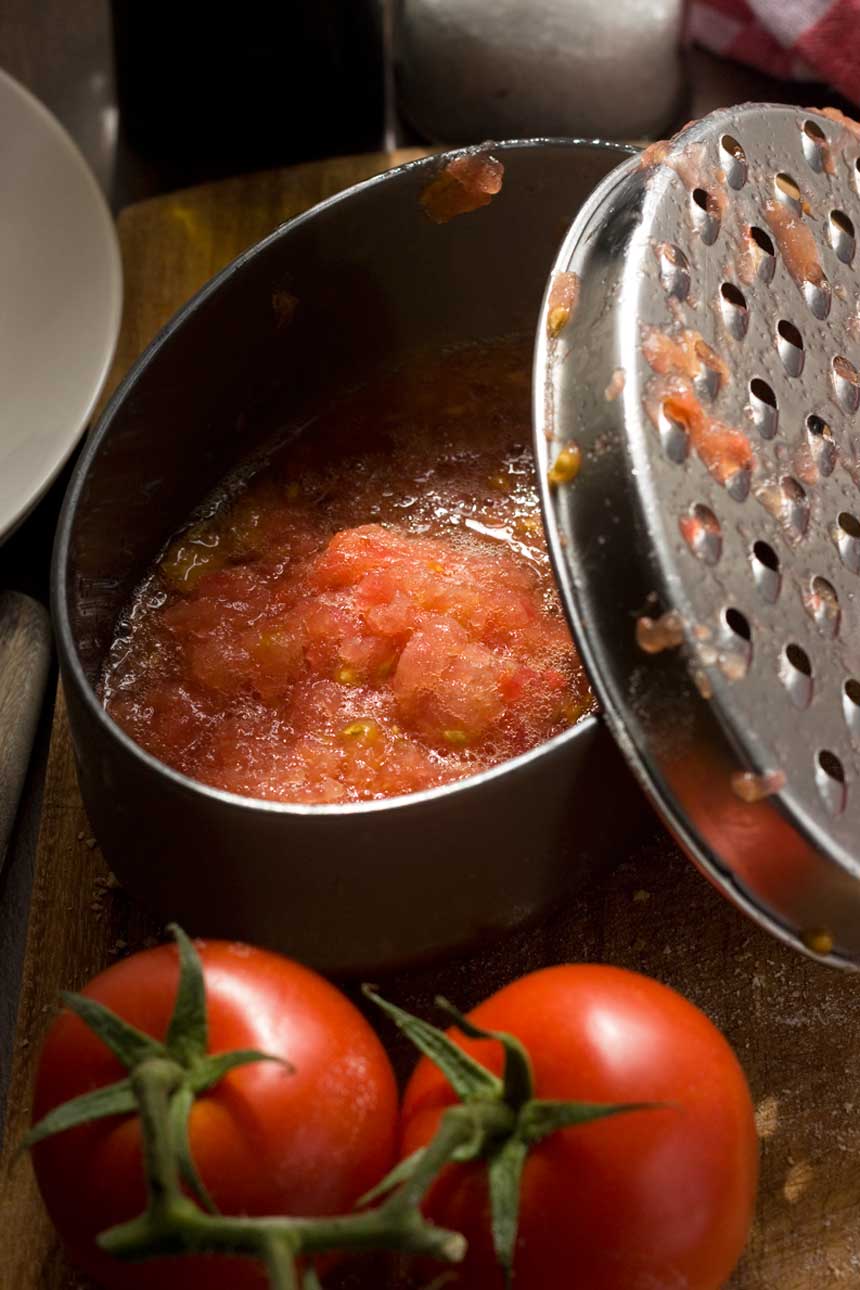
181 1066
502 1139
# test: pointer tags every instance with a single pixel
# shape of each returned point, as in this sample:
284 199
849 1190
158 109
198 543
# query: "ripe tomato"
659 1199
265 1140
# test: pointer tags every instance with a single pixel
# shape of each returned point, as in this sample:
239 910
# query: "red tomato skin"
266 1140
651 1200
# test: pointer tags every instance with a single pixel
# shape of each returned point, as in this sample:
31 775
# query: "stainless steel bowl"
361 886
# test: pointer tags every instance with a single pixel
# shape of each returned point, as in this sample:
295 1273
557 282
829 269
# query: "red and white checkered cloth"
809 40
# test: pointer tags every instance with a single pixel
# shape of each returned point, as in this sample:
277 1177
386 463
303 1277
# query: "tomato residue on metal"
846 370
750 258
563 296
466 184
804 465
750 787
679 358
566 466
699 527
655 154
682 353
840 118
653 635
723 449
373 613
796 243
615 386
690 164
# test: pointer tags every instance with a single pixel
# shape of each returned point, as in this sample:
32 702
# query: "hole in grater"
701 530
787 502
851 707
762 240
788 192
848 540
799 659
674 436
709 377
733 306
818 297
738 623
830 781
814 142
822 604
707 381
765 567
766 555
795 505
734 161
735 653
789 343
846 383
706 215
763 252
738 484
763 408
849 455
842 236
795 672
820 439
674 270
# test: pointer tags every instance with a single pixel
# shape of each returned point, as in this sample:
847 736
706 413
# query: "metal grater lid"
698 435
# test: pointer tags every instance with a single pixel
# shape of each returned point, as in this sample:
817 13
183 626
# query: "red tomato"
265 1140
650 1200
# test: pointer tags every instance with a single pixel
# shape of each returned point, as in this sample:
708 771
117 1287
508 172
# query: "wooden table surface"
794 1024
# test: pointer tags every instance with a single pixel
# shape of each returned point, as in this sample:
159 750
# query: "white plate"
60 298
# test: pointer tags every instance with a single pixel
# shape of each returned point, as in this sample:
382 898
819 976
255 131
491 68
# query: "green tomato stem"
153 1082
281 1265
467 1124
173 1224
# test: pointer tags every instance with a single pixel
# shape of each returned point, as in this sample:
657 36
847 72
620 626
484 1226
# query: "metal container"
366 885
468 69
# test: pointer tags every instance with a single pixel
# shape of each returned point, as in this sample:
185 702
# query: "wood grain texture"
795 1025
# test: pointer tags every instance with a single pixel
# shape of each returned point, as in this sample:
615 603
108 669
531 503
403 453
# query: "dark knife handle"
25 656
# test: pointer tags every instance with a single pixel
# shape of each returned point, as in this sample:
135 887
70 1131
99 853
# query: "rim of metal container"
684 729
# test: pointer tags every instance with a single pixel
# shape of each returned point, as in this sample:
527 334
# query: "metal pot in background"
368 885
476 69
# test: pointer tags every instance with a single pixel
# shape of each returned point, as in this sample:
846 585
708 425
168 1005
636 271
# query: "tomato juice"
371 611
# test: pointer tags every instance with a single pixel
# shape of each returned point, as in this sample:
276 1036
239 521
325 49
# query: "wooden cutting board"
794 1024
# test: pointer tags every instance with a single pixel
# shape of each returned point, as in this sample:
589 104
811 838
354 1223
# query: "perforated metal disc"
704 362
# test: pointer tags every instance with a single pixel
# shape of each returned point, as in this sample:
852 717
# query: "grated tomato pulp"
371 613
